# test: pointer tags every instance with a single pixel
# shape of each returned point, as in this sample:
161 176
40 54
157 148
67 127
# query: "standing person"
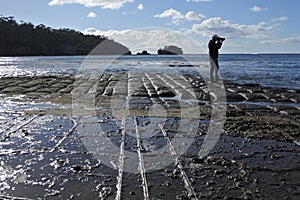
214 45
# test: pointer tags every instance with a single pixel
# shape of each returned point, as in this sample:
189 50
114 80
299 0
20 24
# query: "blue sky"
250 26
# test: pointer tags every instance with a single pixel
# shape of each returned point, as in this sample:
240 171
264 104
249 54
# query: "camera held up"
216 37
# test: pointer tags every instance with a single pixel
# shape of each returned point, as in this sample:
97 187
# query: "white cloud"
191 15
177 16
280 19
92 15
257 9
149 39
140 7
174 14
106 4
290 40
216 25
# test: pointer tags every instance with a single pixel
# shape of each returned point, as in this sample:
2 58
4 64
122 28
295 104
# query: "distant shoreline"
150 55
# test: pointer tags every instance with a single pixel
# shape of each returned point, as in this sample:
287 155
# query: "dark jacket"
214 47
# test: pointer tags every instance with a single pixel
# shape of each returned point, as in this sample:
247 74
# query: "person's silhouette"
214 45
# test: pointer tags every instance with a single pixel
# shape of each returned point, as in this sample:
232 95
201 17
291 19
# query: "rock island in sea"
170 50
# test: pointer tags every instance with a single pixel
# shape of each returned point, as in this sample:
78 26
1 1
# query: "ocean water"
273 70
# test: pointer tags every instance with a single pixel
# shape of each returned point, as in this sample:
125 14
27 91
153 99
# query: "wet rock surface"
47 123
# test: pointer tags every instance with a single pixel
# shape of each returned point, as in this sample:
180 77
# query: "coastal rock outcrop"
170 50
143 53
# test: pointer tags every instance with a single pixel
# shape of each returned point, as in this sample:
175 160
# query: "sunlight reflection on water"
267 70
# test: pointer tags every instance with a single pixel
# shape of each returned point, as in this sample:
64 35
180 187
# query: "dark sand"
42 154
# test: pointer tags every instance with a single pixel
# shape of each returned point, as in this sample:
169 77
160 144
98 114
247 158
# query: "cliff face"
170 50
25 39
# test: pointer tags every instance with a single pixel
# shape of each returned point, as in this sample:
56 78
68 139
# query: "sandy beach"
43 153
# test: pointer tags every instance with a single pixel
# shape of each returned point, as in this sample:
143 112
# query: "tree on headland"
25 39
